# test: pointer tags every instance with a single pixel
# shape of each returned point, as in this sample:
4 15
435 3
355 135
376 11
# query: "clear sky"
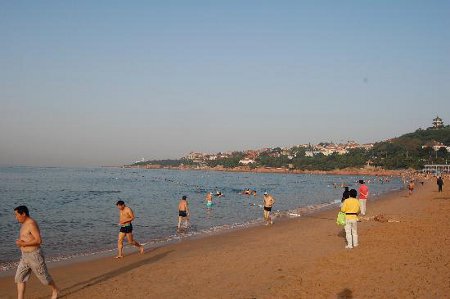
86 83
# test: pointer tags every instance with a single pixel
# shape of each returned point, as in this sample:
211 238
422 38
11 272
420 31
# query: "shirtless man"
32 259
126 229
183 211
268 203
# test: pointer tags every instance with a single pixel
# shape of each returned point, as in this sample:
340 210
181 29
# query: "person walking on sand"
32 259
183 211
126 229
268 203
410 187
440 183
351 208
363 195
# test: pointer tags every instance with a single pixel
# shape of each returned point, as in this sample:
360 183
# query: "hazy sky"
111 82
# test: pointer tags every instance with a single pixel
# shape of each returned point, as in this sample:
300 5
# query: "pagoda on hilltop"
438 123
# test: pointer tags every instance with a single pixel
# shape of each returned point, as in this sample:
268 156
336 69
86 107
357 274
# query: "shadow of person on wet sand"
345 294
101 278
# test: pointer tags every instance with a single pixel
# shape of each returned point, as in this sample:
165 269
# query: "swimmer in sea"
209 202
183 211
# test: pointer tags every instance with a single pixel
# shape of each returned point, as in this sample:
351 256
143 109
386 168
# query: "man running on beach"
363 195
268 203
183 211
32 259
126 229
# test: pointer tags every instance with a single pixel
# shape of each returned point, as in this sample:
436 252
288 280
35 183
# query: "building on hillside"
246 161
438 123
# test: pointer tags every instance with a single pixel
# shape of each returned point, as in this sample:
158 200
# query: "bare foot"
119 257
141 250
54 294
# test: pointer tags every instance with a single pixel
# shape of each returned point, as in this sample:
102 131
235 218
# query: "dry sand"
299 258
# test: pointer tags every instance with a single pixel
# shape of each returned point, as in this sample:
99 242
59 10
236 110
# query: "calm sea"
76 212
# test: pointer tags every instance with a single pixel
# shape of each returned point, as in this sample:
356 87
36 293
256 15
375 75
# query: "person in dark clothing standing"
440 182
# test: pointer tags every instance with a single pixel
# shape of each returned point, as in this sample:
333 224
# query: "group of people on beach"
30 240
183 207
352 207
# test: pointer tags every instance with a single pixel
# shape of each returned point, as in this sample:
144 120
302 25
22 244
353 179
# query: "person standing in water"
32 259
209 202
126 229
183 211
268 203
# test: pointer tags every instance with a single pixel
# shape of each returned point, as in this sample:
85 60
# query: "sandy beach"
405 257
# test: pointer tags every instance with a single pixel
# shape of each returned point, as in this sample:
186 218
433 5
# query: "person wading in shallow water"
183 211
268 203
32 259
126 229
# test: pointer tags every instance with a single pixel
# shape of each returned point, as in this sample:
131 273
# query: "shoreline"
296 258
277 215
245 169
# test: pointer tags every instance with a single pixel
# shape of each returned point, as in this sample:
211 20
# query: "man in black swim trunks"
126 228
183 211
268 203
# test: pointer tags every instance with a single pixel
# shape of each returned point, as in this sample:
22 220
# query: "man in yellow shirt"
351 209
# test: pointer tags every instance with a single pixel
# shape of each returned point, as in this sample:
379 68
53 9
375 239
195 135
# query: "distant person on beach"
268 203
410 187
183 211
363 195
32 259
126 229
440 183
346 194
209 199
351 208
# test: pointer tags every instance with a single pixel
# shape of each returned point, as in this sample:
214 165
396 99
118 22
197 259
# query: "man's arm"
129 216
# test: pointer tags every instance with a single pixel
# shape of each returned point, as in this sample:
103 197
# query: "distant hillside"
412 150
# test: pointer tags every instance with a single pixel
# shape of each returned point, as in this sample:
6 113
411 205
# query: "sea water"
75 207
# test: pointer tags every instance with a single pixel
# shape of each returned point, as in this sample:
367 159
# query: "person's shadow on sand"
345 294
101 278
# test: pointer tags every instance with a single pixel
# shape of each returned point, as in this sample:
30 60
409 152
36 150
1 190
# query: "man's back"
350 205
363 191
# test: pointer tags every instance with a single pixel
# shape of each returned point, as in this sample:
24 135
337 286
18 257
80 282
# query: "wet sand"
298 258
